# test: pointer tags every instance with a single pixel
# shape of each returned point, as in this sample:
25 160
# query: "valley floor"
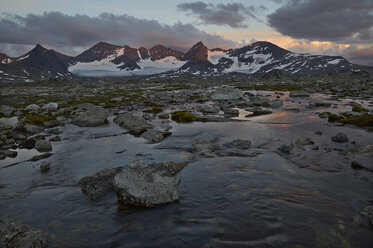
270 163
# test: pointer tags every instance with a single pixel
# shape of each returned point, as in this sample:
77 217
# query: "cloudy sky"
332 27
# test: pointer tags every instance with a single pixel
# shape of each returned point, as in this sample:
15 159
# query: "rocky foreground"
37 118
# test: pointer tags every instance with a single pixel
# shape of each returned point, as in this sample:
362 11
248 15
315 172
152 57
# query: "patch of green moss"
156 109
365 120
358 108
334 118
37 119
182 116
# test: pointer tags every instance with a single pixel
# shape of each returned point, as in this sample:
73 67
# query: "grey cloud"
234 15
333 20
363 56
59 30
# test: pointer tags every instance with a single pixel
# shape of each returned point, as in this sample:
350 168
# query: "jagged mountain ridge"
105 59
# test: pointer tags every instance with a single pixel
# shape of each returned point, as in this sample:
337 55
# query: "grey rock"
239 144
258 112
99 184
43 146
231 112
164 116
92 117
340 137
304 141
276 104
133 124
44 166
227 93
15 234
8 123
210 109
33 128
6 110
33 108
40 157
28 144
299 94
52 106
286 148
9 153
142 185
154 136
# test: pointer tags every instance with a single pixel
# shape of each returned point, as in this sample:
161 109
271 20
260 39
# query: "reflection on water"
305 199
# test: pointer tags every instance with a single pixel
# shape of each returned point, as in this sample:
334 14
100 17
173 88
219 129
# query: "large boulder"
154 136
145 185
227 93
340 138
14 234
99 184
92 117
133 124
43 146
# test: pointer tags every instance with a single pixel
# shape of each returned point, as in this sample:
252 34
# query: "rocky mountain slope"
108 60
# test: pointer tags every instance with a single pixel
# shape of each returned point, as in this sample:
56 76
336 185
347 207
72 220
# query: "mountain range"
108 60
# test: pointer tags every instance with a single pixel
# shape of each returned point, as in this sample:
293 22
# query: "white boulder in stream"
144 185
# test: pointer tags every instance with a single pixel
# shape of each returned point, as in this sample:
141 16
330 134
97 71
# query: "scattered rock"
164 116
286 148
45 166
154 136
43 146
28 144
239 144
304 141
8 123
340 137
33 108
40 157
99 184
92 117
133 124
52 106
15 234
143 185
30 128
231 112
226 93
300 93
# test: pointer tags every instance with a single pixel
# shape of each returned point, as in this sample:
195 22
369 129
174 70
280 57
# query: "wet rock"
300 93
356 165
340 138
99 184
141 185
15 234
40 157
258 112
276 104
227 93
304 141
133 124
286 148
55 139
92 117
28 144
365 217
8 123
43 146
231 112
239 144
154 136
44 166
147 116
9 153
